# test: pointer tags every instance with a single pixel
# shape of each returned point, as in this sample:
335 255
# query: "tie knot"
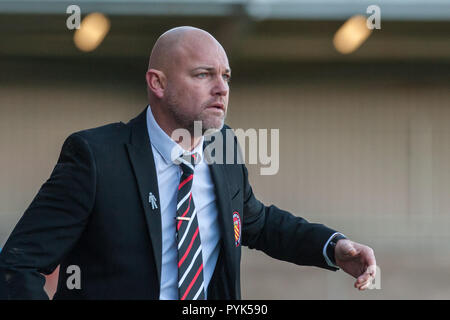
187 162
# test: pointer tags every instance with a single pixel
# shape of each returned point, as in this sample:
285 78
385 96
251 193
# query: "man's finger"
369 273
363 278
363 285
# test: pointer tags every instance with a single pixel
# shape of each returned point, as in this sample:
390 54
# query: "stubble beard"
187 121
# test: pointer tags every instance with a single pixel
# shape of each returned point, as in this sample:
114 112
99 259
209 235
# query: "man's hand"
357 260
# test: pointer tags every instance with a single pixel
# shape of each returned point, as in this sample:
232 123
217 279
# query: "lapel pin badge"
152 199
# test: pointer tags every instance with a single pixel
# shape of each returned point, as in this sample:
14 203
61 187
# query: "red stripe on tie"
188 249
185 181
192 282
189 205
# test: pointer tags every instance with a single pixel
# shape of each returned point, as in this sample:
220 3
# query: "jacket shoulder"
112 132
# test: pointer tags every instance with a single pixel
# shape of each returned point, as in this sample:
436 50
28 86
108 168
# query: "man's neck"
170 126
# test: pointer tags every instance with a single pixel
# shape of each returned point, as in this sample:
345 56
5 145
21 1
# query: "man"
142 216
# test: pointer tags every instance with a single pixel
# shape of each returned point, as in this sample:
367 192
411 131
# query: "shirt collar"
164 144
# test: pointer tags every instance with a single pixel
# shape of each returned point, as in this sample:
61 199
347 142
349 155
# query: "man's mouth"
218 106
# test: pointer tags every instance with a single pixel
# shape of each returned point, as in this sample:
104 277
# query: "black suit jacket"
93 212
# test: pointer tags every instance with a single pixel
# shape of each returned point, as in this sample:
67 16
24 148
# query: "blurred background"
363 117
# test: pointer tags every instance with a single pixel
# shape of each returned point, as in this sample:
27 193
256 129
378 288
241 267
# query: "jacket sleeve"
51 225
282 235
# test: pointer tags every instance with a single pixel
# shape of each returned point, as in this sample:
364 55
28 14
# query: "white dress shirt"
204 197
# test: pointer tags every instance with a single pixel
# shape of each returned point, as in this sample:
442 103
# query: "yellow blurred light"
351 34
93 30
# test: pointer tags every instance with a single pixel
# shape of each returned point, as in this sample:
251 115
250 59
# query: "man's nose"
220 87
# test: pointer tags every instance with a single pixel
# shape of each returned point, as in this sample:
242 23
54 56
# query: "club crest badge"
237 228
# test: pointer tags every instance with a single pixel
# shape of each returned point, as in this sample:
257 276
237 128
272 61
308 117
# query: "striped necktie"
190 261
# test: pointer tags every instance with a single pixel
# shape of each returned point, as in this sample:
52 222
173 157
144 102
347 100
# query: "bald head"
175 43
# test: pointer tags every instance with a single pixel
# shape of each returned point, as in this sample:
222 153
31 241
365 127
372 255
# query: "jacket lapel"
141 157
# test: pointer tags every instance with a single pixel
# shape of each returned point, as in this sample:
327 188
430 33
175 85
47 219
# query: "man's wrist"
330 247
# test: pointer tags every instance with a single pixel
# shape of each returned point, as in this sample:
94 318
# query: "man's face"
197 85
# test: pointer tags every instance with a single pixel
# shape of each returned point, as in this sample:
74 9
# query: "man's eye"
202 75
227 77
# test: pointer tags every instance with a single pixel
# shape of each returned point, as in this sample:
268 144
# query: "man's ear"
156 82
